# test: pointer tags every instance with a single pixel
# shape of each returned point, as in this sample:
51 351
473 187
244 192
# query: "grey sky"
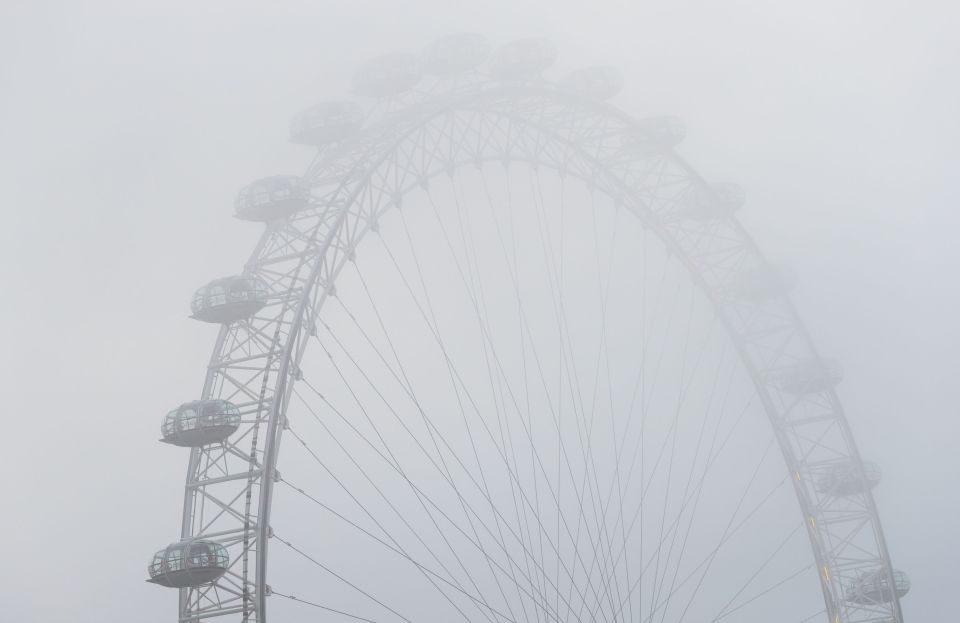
127 127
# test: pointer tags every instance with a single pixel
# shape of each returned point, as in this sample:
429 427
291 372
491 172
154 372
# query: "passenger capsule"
201 422
602 82
810 376
271 198
229 299
765 282
666 130
326 123
189 563
389 75
712 202
523 59
651 136
455 54
874 587
847 479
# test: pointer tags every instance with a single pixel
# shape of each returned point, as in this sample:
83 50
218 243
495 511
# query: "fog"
126 129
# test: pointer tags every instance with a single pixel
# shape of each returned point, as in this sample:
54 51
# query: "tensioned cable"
560 316
584 432
513 269
473 404
813 616
442 513
706 467
431 427
613 425
340 577
539 201
728 532
409 390
640 383
395 460
320 606
710 462
514 466
370 515
396 550
712 458
526 332
558 291
604 293
567 366
433 321
476 293
648 483
793 575
452 484
696 502
727 536
659 169
769 559
673 446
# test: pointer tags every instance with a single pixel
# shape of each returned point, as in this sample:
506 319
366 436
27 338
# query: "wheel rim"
301 257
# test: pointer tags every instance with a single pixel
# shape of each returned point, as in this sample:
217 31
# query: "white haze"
127 127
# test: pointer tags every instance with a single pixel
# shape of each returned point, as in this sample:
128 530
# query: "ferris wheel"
526 365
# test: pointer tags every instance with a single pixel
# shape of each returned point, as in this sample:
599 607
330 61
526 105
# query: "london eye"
525 364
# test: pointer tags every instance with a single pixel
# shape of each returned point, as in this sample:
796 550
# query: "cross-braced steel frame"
354 183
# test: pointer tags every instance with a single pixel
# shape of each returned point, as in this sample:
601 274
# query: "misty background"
126 129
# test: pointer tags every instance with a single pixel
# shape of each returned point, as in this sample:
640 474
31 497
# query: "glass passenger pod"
712 202
189 563
764 282
651 136
603 83
201 422
810 376
523 59
455 54
847 479
229 299
389 75
666 130
271 198
874 587
327 122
